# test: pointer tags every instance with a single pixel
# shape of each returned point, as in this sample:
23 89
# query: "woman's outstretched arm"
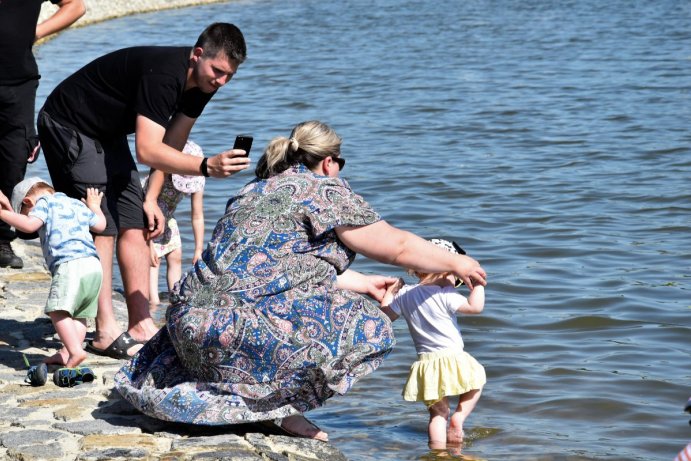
387 244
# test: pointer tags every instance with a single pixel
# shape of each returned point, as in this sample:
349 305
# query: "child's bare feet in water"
63 357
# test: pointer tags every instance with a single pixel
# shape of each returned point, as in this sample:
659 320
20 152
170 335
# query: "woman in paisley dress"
270 322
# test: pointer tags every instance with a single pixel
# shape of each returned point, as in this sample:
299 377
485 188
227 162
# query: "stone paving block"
130 454
260 442
275 456
220 441
308 448
37 452
35 421
81 409
25 438
17 415
113 426
95 443
230 455
33 397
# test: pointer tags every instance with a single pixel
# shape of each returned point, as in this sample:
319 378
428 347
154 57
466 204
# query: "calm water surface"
551 139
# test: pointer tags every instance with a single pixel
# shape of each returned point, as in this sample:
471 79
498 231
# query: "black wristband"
203 168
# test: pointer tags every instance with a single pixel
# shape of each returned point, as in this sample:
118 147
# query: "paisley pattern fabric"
258 330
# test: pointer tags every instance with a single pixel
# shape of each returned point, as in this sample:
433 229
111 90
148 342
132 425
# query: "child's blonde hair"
40 187
27 187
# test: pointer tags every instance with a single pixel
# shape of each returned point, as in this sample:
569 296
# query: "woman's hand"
470 272
377 286
391 292
373 286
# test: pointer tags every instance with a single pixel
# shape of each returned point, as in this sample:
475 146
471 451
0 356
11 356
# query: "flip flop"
37 375
70 377
117 349
279 424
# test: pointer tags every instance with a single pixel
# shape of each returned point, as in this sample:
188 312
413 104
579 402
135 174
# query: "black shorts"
76 161
17 138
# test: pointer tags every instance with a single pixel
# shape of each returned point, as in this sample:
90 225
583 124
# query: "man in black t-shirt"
156 93
18 83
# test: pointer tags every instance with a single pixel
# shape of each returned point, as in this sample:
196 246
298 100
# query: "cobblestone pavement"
90 421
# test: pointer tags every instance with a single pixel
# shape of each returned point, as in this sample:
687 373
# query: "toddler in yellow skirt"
443 369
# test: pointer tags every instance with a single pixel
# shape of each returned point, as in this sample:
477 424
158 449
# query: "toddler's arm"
93 202
22 223
154 260
386 301
476 301
26 224
198 224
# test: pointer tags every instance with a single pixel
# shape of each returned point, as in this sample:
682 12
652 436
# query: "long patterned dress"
258 330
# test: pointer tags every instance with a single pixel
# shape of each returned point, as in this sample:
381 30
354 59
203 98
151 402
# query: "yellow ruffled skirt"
440 374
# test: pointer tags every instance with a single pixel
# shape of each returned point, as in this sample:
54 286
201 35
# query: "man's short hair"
225 37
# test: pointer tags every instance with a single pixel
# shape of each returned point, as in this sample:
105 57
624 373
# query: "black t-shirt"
103 98
18 20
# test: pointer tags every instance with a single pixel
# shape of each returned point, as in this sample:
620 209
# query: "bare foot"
300 426
76 359
144 330
455 434
63 357
59 358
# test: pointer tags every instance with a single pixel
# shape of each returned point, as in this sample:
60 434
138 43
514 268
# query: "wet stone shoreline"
91 421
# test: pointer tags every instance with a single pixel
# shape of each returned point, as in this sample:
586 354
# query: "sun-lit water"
551 139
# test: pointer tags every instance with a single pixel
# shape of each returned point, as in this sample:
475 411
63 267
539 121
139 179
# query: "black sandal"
117 349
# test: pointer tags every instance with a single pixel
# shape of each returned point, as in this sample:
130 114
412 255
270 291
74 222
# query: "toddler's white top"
430 311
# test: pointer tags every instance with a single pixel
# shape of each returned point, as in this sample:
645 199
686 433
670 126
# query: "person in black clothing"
18 83
156 93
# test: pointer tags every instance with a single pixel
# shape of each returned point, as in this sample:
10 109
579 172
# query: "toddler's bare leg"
174 267
438 416
71 333
466 404
153 287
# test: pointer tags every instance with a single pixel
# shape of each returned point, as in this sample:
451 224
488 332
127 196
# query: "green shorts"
75 287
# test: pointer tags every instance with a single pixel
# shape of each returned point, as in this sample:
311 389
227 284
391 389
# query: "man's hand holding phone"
243 142
231 161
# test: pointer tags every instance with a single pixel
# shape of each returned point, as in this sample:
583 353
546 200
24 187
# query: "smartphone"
244 142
